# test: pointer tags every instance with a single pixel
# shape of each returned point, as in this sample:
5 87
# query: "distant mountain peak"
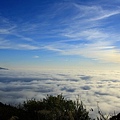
1 68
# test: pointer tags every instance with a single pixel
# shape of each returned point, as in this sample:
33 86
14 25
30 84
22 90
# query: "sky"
78 39
59 34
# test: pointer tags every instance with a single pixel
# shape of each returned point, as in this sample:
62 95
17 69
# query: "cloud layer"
92 86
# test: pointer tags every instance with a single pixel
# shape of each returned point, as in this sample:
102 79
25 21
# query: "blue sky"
59 34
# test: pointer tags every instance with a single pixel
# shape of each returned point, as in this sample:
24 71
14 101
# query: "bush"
56 108
49 108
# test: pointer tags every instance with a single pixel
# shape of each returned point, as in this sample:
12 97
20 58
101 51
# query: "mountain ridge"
2 68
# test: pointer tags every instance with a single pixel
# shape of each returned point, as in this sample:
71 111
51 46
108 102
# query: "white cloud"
103 51
4 31
91 86
6 44
92 39
85 26
97 12
106 15
27 47
36 56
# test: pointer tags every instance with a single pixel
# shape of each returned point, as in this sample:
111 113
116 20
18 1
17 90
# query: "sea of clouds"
94 88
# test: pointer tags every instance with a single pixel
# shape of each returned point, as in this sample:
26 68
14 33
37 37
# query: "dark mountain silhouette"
1 68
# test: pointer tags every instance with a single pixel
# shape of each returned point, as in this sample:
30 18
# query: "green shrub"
56 108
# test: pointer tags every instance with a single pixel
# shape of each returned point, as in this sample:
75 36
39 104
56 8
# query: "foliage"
49 108
56 108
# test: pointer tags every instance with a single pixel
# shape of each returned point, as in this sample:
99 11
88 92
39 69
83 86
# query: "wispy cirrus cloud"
27 46
97 12
92 38
106 15
70 29
103 51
